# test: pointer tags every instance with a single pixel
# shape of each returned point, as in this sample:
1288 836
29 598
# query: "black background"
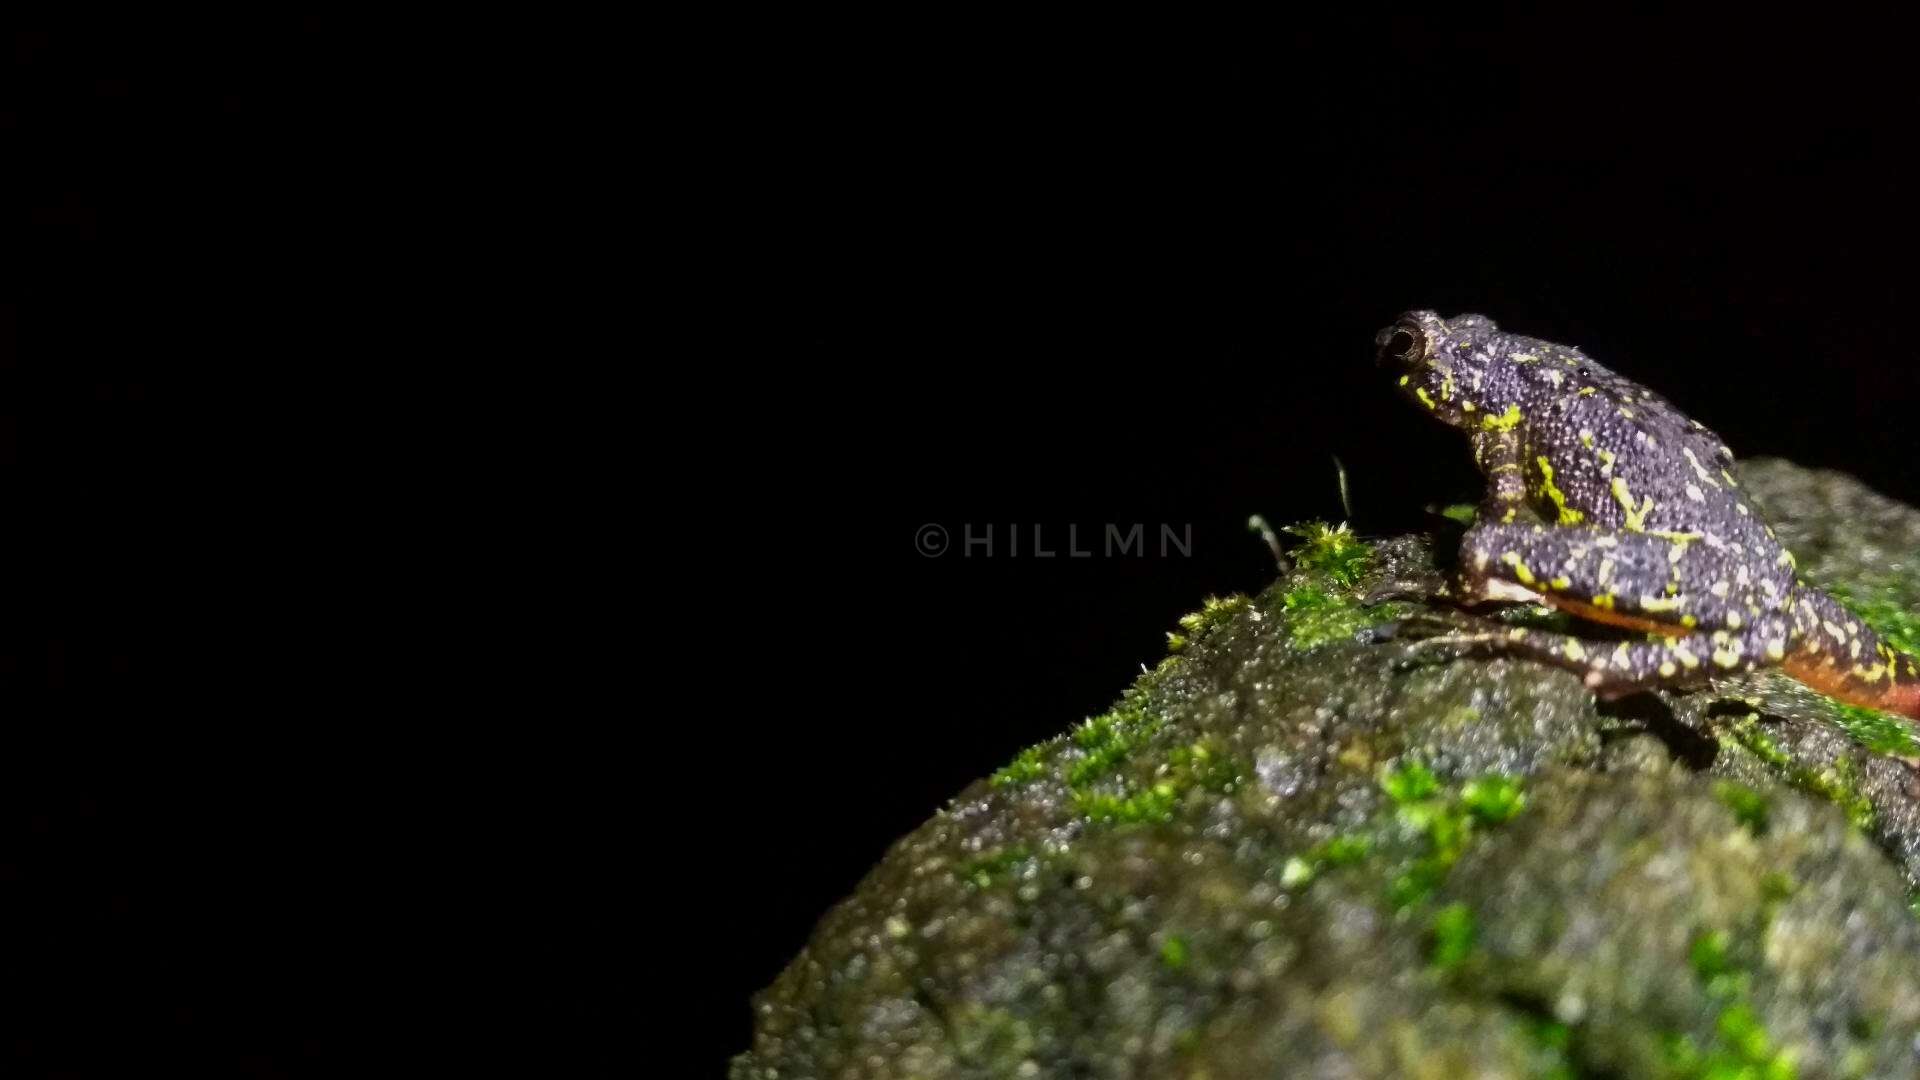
514 444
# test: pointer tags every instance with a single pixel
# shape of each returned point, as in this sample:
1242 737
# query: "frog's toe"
1422 626
1426 587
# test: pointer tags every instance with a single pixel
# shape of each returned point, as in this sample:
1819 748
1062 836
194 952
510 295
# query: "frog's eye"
1400 344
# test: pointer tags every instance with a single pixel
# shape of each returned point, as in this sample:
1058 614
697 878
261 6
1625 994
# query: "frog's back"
1630 459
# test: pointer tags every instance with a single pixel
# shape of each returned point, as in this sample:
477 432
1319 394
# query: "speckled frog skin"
1607 502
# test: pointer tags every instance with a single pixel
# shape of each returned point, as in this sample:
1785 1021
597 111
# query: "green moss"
1204 765
1155 804
1712 967
1749 806
1331 550
1555 1042
1111 739
1033 763
1316 617
1213 612
1440 822
994 867
1493 799
1883 606
1879 732
1342 850
1464 513
1444 822
1408 782
1106 741
1174 952
1838 783
1453 934
1740 1046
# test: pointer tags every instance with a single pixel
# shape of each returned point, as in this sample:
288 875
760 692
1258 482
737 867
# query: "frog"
1603 500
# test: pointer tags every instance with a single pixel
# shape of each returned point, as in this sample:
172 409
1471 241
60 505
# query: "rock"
1297 849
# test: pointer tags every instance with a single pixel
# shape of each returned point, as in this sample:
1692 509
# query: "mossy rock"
1303 848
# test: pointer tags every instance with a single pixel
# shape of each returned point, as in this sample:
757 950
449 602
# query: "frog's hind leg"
1662 583
1614 668
1840 656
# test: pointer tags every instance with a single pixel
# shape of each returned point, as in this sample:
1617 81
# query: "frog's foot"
1615 669
1418 587
1432 637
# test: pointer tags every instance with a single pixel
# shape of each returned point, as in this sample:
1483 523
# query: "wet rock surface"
1307 847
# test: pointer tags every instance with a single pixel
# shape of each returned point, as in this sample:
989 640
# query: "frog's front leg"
1500 455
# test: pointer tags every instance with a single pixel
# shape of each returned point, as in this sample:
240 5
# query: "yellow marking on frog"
1586 438
1524 358
1604 601
1731 482
1659 603
1740 508
1556 378
1727 658
1586 391
1512 558
1516 634
1689 621
1687 658
1786 559
1512 466
1694 493
1568 515
1425 398
1446 384
1468 406
1606 461
1405 379
1561 583
1838 634
1511 513
1719 589
1776 650
1699 469
1869 674
1636 519
1667 670
1574 651
1626 412
1734 620
1506 421
1853 649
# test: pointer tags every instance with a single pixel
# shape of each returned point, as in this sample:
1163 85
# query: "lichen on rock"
1296 849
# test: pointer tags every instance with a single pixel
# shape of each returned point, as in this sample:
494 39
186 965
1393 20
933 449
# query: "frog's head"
1460 369
1443 363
